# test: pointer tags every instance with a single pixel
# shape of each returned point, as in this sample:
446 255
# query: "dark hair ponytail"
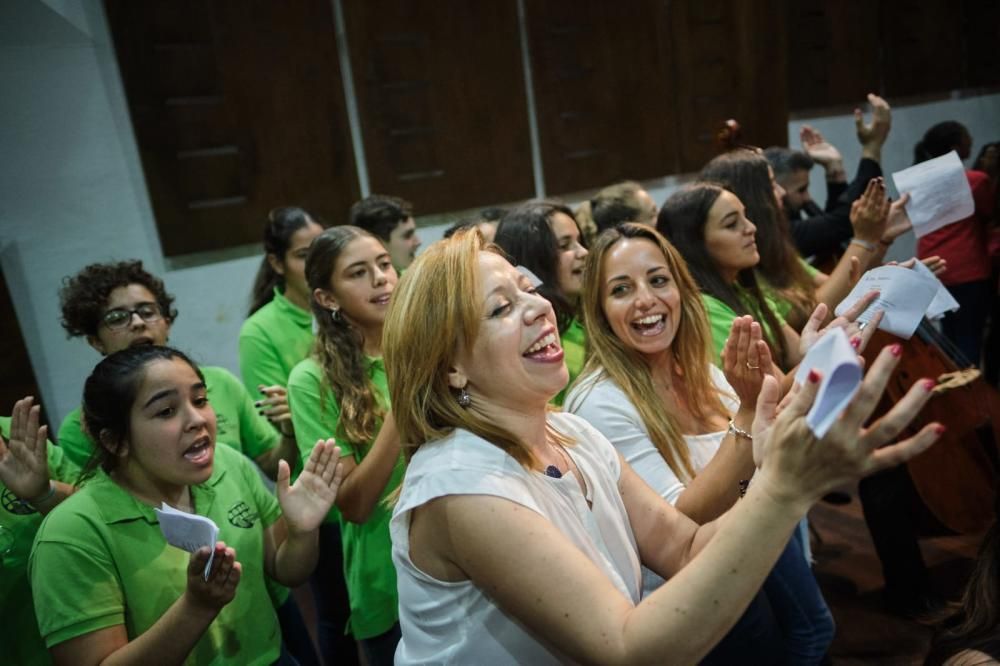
108 396
939 140
282 223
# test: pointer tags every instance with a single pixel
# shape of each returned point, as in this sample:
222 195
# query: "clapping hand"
874 134
274 404
870 212
24 465
859 335
800 467
307 502
219 588
746 359
818 148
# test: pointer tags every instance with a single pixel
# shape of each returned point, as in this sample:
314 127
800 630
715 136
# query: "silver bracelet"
863 243
34 502
738 432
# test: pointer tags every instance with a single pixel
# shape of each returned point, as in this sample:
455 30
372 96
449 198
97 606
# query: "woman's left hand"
24 463
858 334
746 359
307 502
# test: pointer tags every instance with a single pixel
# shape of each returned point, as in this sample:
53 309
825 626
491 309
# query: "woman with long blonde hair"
519 532
683 424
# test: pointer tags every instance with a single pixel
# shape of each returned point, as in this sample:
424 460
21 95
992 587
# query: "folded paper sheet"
939 193
943 300
838 364
904 296
188 531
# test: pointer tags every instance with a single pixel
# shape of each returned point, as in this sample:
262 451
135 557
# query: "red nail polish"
813 376
896 349
939 429
928 384
856 343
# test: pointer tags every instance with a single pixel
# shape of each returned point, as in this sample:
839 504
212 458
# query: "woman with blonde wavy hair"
683 424
519 531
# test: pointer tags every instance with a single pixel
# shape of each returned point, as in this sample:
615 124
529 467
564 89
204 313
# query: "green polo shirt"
18 524
574 343
239 424
368 568
100 561
720 320
272 341
779 305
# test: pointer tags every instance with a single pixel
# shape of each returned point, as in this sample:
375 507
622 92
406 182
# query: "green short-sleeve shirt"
779 305
100 561
368 568
239 424
720 321
574 343
22 644
272 341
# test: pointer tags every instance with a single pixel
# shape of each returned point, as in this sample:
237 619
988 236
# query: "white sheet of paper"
841 372
904 295
188 531
939 193
943 300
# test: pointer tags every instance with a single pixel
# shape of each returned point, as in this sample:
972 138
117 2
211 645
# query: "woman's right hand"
220 587
870 212
746 360
798 467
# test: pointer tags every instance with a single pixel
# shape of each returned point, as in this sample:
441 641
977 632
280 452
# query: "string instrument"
958 478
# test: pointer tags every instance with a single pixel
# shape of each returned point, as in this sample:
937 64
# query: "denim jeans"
787 622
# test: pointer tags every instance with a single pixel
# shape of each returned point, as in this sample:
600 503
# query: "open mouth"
381 300
138 342
546 349
200 453
650 325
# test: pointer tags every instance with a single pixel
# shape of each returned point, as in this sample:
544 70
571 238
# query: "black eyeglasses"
121 317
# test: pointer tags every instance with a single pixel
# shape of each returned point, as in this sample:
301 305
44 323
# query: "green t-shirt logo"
241 515
14 505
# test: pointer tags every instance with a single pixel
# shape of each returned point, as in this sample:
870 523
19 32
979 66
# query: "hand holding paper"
188 531
939 193
835 359
904 296
943 300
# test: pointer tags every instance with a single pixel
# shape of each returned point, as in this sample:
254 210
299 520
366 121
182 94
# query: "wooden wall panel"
442 102
237 108
603 87
981 42
833 52
730 62
922 47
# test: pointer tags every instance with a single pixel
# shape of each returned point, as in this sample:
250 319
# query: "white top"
598 399
455 622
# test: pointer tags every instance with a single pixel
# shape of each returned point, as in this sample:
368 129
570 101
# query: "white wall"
71 188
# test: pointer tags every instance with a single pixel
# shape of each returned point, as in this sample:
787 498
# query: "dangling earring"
463 398
335 314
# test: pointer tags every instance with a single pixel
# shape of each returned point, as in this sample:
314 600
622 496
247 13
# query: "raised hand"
746 360
220 587
274 405
24 464
873 135
870 212
306 503
800 467
899 221
858 334
818 148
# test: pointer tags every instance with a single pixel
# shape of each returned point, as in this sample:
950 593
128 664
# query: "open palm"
24 466
307 502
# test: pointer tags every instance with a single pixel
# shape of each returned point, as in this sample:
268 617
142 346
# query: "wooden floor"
848 571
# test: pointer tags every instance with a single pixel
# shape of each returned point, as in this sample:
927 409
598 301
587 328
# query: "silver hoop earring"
335 314
463 398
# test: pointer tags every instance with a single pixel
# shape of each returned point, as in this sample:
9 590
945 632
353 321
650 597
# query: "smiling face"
361 283
639 296
517 358
171 440
403 243
571 254
729 236
137 331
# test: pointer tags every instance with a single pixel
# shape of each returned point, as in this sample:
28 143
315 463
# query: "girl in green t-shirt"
278 331
105 581
341 391
543 237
